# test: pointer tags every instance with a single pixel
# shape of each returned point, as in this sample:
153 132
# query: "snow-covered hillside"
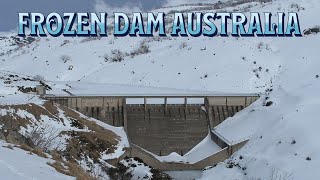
64 139
283 136
16 163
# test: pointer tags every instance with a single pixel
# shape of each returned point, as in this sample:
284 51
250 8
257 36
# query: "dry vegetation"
313 30
71 169
91 143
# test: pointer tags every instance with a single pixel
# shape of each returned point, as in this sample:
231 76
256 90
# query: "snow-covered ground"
185 175
203 150
103 89
284 135
16 163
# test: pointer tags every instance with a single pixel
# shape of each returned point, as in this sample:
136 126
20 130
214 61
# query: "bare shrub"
117 55
156 38
71 169
142 49
269 103
183 45
38 78
31 150
70 67
65 42
260 45
203 48
65 58
246 8
106 57
313 30
44 138
91 38
296 6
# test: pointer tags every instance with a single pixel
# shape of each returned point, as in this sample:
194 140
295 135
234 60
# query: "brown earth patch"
73 169
80 144
91 144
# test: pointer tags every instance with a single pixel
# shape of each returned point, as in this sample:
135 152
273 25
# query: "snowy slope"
41 126
203 61
284 142
284 135
19 164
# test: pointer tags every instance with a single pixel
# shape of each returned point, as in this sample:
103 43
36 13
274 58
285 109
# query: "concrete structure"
136 151
161 124
219 108
163 130
40 90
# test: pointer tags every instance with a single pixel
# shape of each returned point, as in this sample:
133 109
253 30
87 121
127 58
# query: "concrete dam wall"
160 124
163 130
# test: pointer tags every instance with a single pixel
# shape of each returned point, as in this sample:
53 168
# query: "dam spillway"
160 124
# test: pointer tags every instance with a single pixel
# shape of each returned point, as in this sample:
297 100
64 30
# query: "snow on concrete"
203 150
18 164
99 89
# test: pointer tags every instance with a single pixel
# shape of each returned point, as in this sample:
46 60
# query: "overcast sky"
9 9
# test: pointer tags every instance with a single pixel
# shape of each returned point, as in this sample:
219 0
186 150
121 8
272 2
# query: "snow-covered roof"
62 89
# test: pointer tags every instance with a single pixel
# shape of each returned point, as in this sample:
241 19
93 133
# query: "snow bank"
18 164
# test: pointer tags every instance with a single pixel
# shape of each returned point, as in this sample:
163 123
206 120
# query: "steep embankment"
73 144
283 135
16 163
70 139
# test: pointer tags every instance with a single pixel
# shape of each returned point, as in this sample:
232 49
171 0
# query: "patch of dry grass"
36 151
14 121
92 143
69 168
81 144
